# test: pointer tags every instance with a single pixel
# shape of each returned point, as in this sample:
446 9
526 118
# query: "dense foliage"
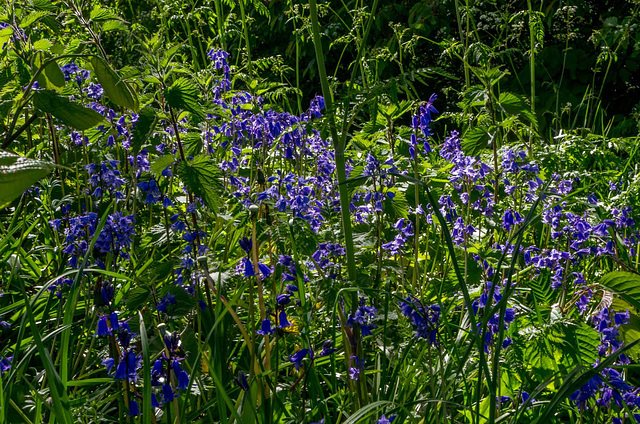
230 211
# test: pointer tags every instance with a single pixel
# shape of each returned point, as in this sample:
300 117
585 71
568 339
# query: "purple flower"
266 329
297 357
385 420
133 408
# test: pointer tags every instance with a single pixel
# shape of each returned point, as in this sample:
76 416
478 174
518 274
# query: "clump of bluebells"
278 167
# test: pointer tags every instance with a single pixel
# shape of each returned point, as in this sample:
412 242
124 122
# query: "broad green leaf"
184 301
51 76
5 35
114 25
43 5
160 164
145 126
101 14
584 340
624 283
474 141
115 87
33 17
5 77
18 173
137 297
396 207
514 104
43 44
183 95
202 177
73 114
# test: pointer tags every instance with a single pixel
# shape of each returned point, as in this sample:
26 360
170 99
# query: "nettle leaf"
137 297
584 341
202 177
474 141
114 25
101 14
184 301
396 207
18 173
114 86
160 164
5 35
625 284
183 95
514 104
73 114
32 18
146 124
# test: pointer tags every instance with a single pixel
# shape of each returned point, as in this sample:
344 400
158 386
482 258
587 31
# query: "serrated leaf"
32 18
137 297
73 114
625 284
74 46
18 173
514 104
184 302
474 141
101 14
5 35
146 124
183 95
202 177
5 76
160 164
43 44
114 25
43 5
115 87
397 207
584 340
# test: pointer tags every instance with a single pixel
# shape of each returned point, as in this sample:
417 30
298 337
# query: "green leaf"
147 120
626 284
514 104
51 76
160 164
474 141
114 25
18 173
73 114
101 14
43 44
202 177
5 35
584 340
137 297
184 95
32 18
115 87
184 301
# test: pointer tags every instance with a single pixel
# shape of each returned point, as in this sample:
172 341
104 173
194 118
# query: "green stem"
338 143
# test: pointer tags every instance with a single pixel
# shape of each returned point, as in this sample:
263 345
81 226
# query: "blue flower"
385 420
265 329
103 328
327 348
183 377
5 364
133 408
167 393
297 357
282 320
